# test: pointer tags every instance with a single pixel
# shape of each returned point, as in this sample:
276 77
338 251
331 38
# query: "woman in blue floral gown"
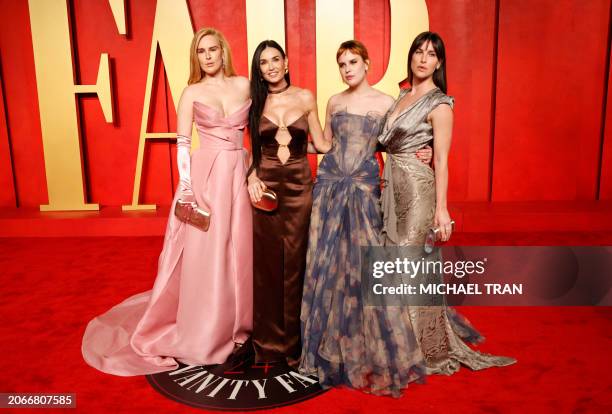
344 342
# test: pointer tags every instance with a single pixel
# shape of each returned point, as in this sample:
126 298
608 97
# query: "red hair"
355 47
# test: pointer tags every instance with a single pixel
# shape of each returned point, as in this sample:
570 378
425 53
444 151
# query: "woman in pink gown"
200 307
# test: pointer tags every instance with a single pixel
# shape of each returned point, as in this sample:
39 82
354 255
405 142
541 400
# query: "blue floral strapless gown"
344 342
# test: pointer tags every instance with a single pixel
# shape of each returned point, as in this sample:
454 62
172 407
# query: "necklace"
279 90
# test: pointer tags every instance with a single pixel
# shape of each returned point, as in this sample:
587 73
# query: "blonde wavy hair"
195 71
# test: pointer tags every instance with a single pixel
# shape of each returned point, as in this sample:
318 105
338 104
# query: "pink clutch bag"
190 213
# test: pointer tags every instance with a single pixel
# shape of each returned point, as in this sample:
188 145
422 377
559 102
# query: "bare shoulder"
442 112
304 94
333 103
444 106
383 98
242 84
334 100
380 101
306 97
388 100
190 92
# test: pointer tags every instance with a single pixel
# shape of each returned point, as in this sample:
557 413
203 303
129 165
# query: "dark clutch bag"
190 213
269 201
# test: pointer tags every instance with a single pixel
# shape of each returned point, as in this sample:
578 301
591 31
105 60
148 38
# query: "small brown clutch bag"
269 201
190 213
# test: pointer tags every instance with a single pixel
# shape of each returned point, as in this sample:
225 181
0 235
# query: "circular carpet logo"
235 385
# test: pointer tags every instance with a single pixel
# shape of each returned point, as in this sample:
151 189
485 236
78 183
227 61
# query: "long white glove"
183 159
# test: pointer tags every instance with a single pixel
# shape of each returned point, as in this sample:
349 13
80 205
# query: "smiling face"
272 65
424 61
353 68
210 54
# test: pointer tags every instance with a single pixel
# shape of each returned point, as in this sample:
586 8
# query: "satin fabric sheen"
201 302
281 239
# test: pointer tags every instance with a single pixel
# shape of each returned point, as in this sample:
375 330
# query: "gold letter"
118 9
56 100
172 32
408 19
335 24
265 21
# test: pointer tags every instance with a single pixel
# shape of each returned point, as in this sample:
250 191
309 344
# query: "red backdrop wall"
530 80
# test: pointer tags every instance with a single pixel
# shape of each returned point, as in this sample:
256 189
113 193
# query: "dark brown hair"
439 75
259 94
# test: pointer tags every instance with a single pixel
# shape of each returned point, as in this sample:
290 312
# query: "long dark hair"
259 93
439 75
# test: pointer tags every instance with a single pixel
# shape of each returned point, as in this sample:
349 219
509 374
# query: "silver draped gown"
408 205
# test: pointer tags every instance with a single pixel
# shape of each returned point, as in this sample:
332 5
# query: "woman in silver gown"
414 199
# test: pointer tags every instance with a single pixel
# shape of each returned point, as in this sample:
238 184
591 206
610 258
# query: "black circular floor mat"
237 385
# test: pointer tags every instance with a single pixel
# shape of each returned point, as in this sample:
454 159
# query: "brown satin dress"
279 245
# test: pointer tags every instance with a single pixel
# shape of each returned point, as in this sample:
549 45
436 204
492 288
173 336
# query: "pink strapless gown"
202 299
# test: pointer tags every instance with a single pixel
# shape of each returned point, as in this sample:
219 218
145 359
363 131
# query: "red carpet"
51 288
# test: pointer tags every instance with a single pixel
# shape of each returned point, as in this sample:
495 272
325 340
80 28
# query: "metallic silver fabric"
408 205
409 196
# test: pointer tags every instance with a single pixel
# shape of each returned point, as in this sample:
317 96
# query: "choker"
280 90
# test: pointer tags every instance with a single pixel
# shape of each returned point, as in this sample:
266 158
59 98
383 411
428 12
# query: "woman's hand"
185 190
256 188
442 221
425 155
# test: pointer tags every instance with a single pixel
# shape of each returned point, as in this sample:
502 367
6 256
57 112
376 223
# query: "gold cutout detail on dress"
283 152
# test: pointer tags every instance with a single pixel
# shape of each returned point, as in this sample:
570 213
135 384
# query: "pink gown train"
202 300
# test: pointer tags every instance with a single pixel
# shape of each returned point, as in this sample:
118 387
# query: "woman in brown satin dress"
280 119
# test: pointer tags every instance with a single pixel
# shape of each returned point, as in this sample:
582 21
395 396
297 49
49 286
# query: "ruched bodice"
221 138
351 158
354 138
218 131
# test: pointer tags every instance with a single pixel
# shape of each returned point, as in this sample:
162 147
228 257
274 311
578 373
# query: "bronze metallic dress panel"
279 245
